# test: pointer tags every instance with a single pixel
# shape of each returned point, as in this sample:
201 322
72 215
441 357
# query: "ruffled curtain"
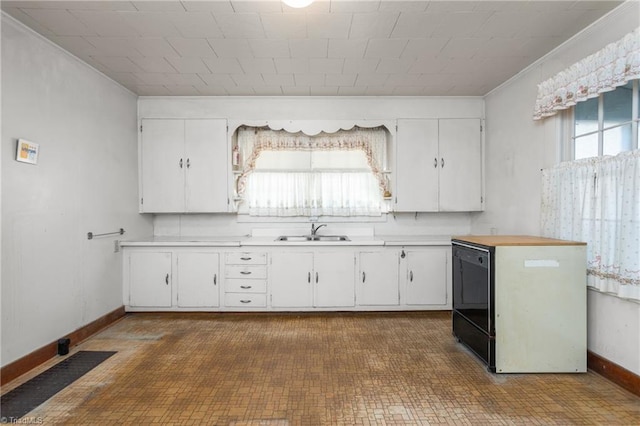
597 200
603 71
312 193
372 142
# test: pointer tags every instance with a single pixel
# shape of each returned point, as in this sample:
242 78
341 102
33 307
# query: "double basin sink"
305 238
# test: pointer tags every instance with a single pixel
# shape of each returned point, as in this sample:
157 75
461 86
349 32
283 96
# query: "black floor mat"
29 395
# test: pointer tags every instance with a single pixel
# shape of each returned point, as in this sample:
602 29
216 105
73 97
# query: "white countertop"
245 240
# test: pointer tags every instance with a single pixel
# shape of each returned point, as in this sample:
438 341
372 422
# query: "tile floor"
314 369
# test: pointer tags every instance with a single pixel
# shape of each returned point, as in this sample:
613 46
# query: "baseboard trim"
613 372
45 353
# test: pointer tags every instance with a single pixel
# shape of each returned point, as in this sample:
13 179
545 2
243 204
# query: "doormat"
23 399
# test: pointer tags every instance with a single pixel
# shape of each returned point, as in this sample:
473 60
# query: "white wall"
517 148
54 280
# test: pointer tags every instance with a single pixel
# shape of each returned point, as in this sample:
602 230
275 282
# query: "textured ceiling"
336 47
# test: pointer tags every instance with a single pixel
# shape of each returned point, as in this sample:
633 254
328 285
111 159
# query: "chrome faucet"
315 228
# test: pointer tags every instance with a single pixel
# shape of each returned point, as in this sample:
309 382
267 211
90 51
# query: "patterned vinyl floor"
314 369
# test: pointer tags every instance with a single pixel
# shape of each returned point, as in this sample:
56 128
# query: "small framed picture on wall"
27 152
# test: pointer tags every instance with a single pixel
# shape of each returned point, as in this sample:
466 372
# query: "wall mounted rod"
90 235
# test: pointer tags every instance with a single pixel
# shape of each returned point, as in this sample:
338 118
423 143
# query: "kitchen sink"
305 238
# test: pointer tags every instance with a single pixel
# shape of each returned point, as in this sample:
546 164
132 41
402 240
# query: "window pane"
339 160
617 105
617 140
284 160
586 146
586 117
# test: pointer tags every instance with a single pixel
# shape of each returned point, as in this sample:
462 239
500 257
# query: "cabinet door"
206 166
291 280
426 279
150 279
198 280
334 275
162 166
416 165
460 165
378 279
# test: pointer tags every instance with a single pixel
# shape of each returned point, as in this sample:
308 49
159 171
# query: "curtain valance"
372 142
613 66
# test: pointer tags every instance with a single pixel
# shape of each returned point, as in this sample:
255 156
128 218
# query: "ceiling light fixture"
298 4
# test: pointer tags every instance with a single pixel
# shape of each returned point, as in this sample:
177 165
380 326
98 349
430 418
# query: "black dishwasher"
473 300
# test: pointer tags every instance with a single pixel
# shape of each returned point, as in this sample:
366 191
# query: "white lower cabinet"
276 278
149 275
198 280
312 279
425 274
245 280
378 279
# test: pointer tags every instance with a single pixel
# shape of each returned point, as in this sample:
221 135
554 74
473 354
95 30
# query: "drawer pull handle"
245 272
245 258
246 287
309 277
215 279
435 162
166 279
245 301
316 278
363 276
411 276
442 162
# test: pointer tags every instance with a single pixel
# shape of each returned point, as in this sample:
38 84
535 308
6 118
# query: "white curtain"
597 200
313 194
603 71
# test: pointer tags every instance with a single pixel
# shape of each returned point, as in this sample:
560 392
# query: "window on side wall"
608 124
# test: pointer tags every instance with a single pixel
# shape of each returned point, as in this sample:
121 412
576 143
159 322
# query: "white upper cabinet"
439 165
183 166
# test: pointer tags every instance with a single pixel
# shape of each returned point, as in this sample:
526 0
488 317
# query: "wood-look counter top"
514 240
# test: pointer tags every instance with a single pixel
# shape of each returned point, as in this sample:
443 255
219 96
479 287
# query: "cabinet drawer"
245 300
242 271
246 258
236 285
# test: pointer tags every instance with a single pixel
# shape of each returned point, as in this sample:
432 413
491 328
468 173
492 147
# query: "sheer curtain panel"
597 200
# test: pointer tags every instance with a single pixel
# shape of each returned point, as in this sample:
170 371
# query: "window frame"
635 119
